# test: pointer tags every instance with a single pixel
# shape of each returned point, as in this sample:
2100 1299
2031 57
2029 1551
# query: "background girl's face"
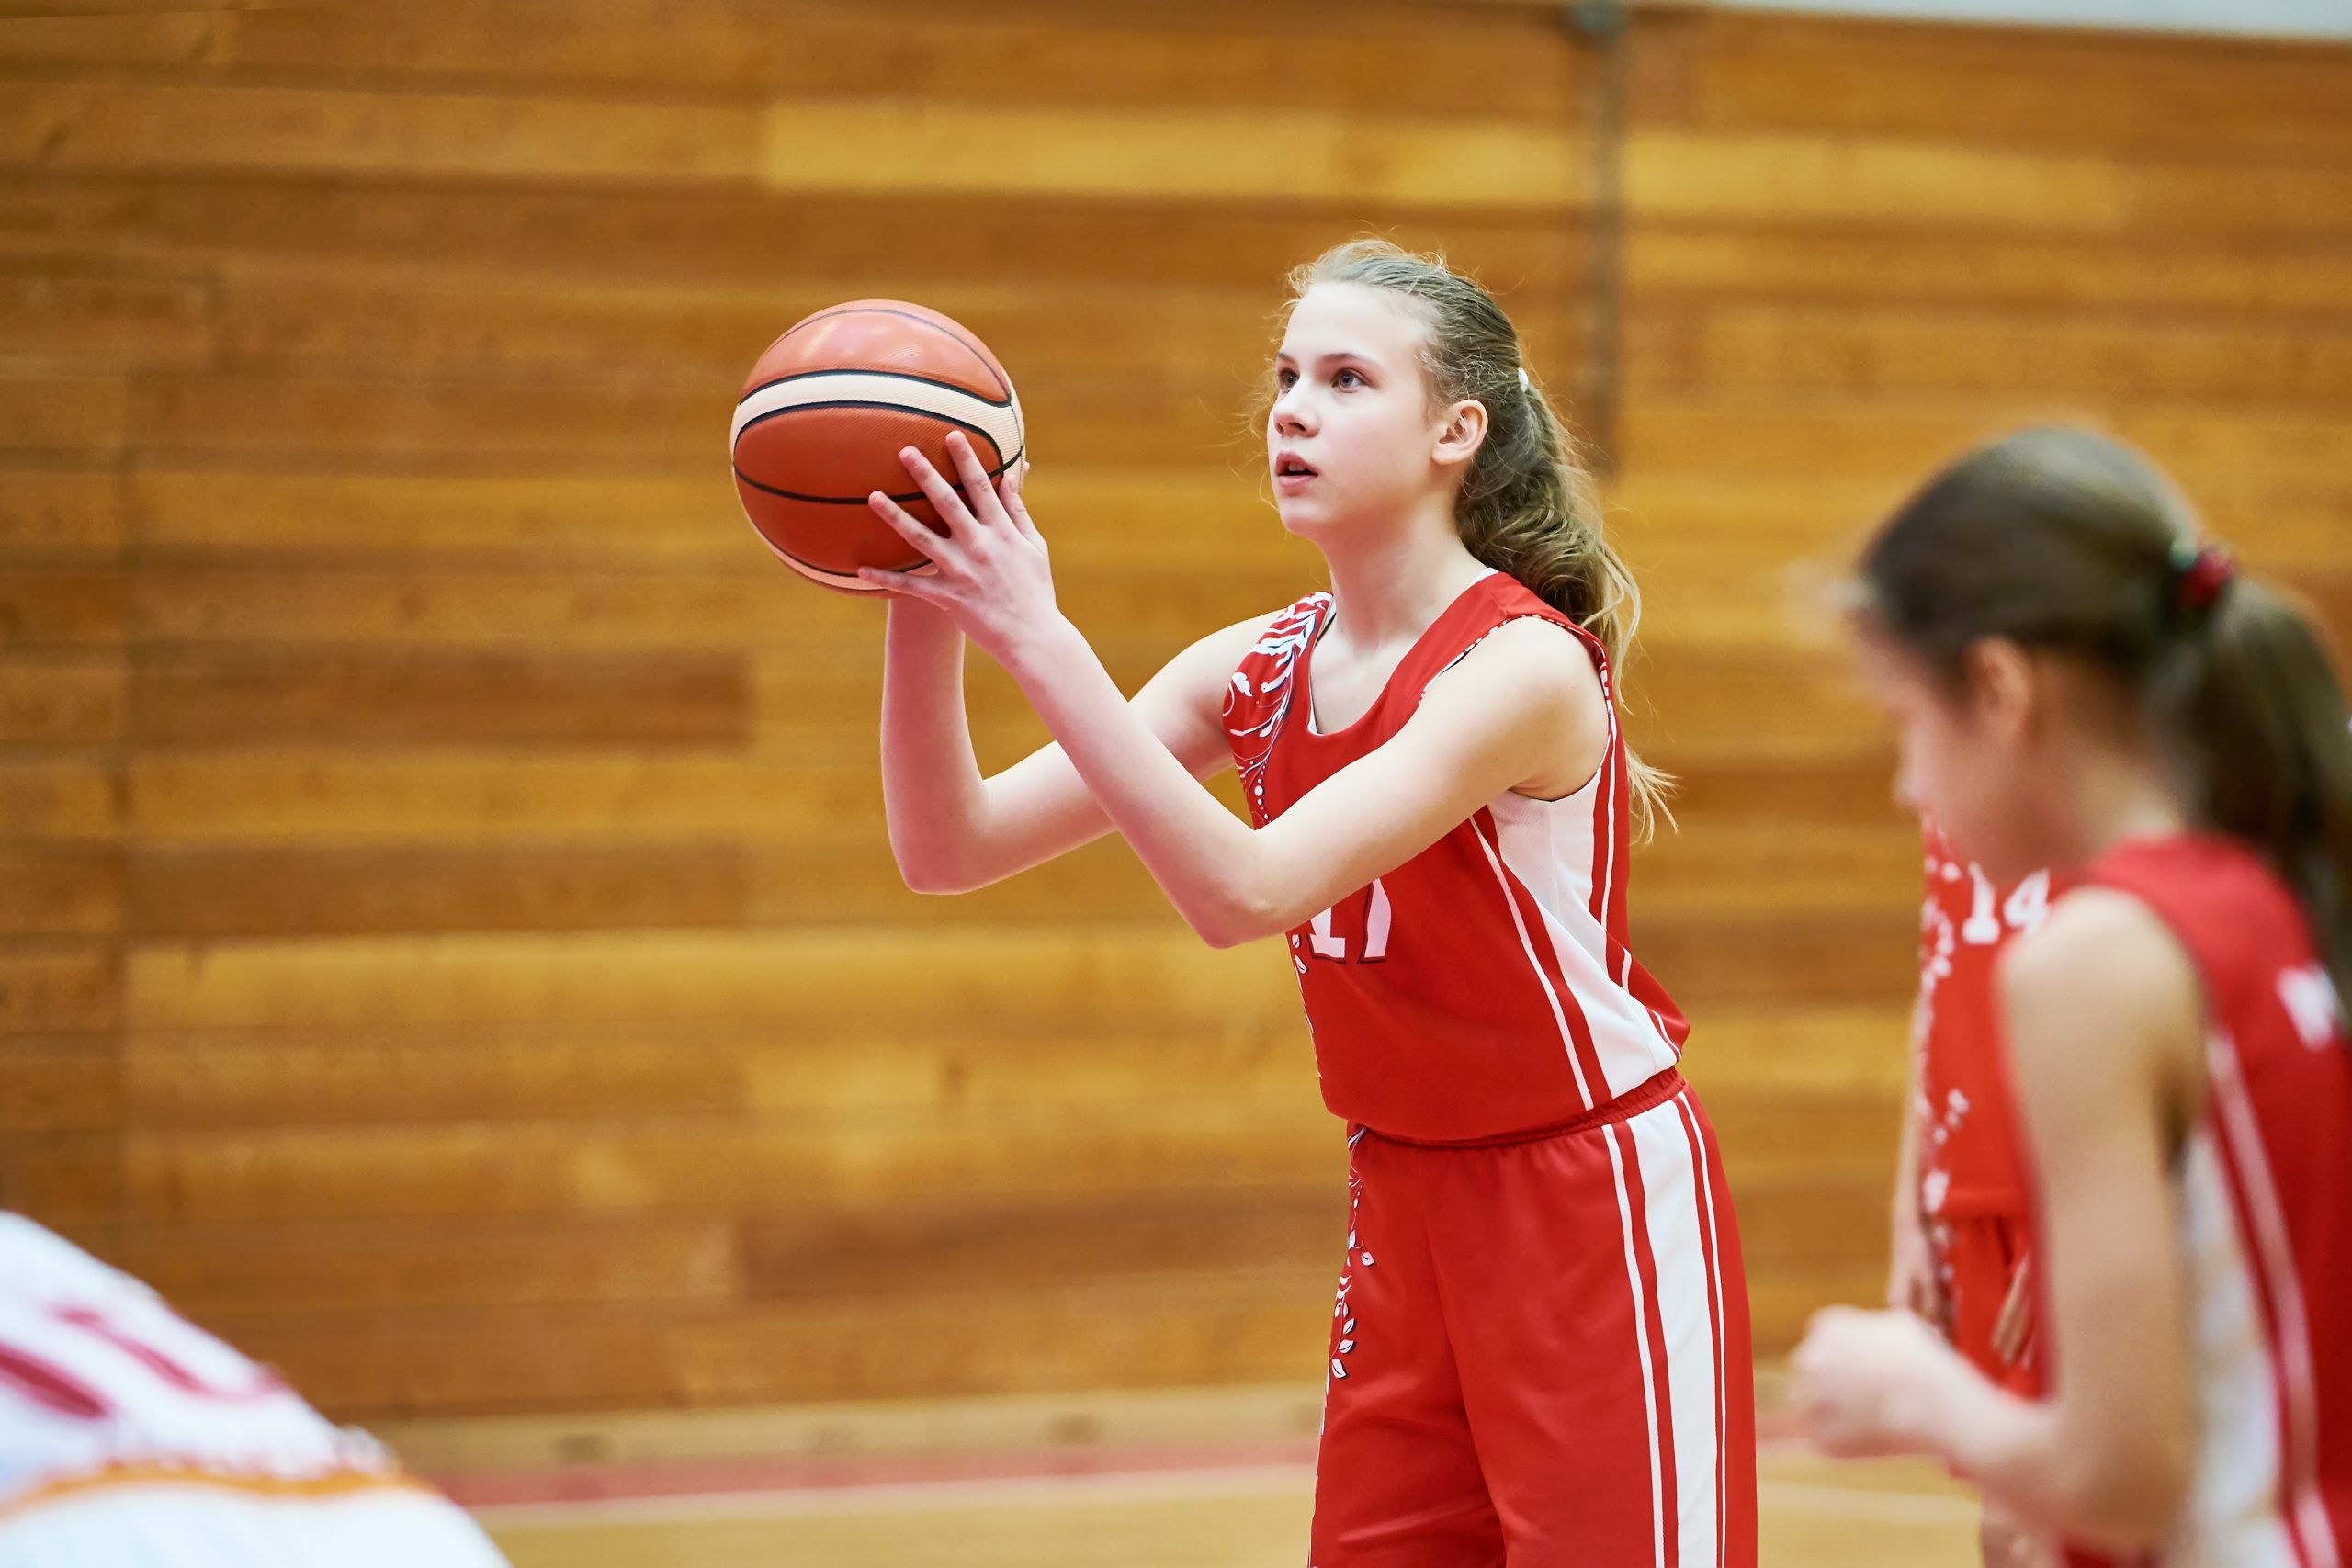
1351 433
1962 760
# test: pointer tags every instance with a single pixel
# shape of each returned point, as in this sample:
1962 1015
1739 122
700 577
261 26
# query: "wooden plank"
63 1179
74 323
1053 1052
60 798
290 795
55 890
98 125
63 1085
320 1079
649 701
61 609
656 1162
2032 87
1253 1328
84 417
1721 862
1791 178
73 517
799 1254
1737 1048
752 603
1222 52
857 884
1249 1329
52 986
60 701
865 244
803 977
394 1265
1173 154
1728 960
2038 274
1256 1060
1792 439
1873 354
327 891
1688 703
1808 1134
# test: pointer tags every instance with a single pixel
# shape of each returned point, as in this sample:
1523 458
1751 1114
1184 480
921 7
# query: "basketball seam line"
1004 402
968 345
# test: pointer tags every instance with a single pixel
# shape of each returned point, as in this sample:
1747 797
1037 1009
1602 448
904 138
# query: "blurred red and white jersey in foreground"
131 1439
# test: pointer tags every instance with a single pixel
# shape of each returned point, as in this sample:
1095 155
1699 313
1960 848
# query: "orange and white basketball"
825 412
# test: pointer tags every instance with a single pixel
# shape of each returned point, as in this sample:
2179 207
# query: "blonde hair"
1527 506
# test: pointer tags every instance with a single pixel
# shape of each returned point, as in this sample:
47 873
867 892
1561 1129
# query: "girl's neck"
1390 589
2120 797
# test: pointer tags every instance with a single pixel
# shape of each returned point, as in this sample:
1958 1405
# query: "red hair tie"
2199 574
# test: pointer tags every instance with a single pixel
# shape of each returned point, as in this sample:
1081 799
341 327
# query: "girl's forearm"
1203 858
933 797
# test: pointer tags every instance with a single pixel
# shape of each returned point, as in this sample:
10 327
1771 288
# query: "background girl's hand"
991 573
1862 1379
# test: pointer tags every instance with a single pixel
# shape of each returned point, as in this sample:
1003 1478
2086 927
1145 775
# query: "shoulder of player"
1529 662
2104 965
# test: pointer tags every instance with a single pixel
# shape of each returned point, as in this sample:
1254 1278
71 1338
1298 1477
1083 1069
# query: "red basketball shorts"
1540 1351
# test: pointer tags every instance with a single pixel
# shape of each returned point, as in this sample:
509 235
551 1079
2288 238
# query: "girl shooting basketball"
2077 684
1540 1344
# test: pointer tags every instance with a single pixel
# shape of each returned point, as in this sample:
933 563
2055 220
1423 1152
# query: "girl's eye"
1284 378
1346 377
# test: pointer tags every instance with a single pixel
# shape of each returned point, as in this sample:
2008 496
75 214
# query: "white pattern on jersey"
169 1391
131 1439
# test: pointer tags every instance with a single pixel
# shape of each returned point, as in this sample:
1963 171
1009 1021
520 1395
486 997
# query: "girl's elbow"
1235 921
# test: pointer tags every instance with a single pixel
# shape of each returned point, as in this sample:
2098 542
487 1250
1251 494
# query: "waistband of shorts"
1649 1095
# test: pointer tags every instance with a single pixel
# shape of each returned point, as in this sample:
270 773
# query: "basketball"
825 412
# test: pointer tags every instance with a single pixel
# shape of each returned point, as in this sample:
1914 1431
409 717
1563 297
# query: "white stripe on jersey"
1673 1187
1554 848
1527 945
1640 1340
2271 1249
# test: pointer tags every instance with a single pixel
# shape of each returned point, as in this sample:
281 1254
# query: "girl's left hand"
989 570
1863 1378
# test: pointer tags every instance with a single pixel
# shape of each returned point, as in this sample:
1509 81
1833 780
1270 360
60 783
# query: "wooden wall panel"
447 937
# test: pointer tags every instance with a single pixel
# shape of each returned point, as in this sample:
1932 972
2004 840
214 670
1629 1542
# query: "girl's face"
1351 434
1967 753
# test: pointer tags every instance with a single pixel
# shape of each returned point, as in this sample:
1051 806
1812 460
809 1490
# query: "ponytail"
2264 728
1527 506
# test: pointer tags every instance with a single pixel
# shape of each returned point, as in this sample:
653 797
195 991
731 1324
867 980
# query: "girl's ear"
2006 684
1461 433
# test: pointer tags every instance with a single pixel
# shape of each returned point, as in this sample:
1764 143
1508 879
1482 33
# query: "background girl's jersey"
1484 986
2265 1207
1969 1160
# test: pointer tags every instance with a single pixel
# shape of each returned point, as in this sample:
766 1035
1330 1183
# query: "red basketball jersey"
2265 1212
1483 987
1970 1166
